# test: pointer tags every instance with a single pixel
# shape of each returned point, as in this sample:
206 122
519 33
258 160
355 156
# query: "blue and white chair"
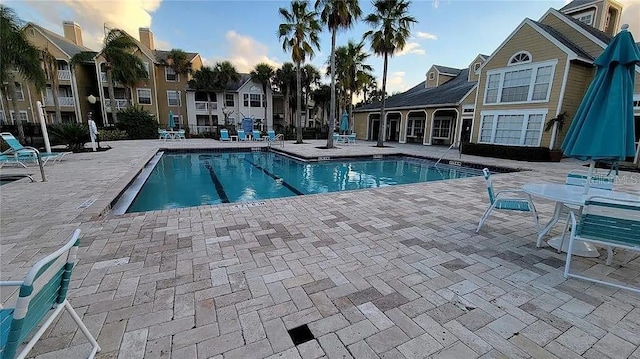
224 135
352 139
42 297
608 223
272 135
241 135
163 134
181 135
256 135
507 200
25 154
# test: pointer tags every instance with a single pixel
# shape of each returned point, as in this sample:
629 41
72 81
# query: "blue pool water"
194 179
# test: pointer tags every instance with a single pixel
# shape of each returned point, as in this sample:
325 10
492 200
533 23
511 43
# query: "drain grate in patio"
300 334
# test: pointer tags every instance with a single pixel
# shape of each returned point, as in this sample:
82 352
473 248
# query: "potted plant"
555 124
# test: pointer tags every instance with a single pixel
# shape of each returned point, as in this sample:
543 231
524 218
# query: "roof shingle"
66 45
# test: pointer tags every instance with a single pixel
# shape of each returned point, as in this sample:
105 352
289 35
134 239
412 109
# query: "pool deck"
389 272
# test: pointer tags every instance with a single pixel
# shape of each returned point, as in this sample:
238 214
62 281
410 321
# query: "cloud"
395 82
426 36
245 52
91 15
436 3
631 15
412 48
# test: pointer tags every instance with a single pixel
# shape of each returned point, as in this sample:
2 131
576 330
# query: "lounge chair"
11 159
241 135
256 135
181 135
506 201
28 153
272 135
43 290
224 135
163 134
352 139
605 222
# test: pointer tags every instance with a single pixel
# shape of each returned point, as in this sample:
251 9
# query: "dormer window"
432 75
476 66
521 57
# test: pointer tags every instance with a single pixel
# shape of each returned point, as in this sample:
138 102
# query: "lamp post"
93 129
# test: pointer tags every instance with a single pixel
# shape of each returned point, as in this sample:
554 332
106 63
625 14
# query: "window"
432 75
415 127
586 18
145 65
23 116
255 100
441 127
144 96
229 100
173 98
20 94
170 75
476 66
521 57
529 83
512 128
245 100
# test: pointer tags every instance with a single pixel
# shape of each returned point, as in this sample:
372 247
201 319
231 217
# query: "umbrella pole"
592 167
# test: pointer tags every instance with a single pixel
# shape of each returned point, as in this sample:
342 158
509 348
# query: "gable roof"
600 35
232 87
65 45
145 50
447 70
564 40
578 4
449 93
161 55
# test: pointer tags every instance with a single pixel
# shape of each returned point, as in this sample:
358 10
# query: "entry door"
375 128
393 131
466 130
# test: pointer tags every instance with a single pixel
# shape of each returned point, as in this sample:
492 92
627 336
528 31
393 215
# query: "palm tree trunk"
383 122
209 109
287 115
112 96
298 104
332 107
11 87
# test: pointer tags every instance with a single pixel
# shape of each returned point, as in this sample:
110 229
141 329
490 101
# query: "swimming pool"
195 179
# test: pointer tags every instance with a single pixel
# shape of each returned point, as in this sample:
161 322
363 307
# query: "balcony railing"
63 101
201 129
202 107
64 75
121 104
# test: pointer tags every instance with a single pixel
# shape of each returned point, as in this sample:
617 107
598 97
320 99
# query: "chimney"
146 38
73 32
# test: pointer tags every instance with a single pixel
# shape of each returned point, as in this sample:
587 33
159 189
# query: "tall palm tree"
17 56
353 68
285 80
299 33
321 97
336 14
263 73
179 62
51 71
225 74
205 80
392 27
368 85
310 78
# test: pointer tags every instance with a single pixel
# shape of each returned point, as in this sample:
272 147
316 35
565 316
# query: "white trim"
575 26
179 98
432 76
592 11
76 97
525 112
12 115
167 68
534 66
138 96
524 52
565 76
386 119
147 67
433 117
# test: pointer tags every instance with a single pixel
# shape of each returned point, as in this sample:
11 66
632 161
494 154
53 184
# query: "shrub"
112 135
534 154
71 134
137 123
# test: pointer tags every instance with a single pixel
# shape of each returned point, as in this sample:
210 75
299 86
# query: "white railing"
201 129
64 75
202 107
120 104
63 101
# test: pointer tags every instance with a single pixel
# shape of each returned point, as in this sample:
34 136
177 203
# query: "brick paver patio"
390 272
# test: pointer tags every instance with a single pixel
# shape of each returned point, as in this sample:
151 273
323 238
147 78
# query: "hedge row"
533 154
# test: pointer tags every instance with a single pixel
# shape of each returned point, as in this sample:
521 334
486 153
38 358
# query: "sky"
449 32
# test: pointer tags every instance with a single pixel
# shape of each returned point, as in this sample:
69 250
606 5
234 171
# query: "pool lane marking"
216 182
284 183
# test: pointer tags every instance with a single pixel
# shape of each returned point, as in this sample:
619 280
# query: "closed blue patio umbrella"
344 123
603 127
172 123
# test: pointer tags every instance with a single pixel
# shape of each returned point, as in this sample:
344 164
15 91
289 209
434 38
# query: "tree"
310 78
353 69
299 33
285 80
225 74
392 27
263 73
368 85
321 96
336 14
17 56
179 62
205 80
51 72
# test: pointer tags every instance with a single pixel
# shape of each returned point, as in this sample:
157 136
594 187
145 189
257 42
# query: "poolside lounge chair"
605 222
256 135
272 135
506 201
181 135
224 135
10 159
352 138
241 135
163 134
43 290
28 153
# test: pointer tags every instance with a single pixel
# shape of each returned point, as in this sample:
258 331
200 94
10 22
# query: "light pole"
93 129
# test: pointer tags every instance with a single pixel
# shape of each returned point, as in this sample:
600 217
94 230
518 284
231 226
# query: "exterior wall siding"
578 81
576 37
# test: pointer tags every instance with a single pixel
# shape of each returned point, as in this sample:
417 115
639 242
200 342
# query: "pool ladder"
455 144
279 137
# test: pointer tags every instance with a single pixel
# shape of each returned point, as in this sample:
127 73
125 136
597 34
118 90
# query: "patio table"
572 195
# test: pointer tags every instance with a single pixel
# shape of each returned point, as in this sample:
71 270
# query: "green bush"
71 134
520 153
137 123
112 135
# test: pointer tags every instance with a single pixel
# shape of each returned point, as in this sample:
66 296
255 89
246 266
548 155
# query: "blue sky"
451 32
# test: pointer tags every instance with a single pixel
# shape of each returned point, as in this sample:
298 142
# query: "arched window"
521 57
432 75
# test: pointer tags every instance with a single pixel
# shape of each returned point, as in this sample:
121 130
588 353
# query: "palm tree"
310 77
285 79
51 72
205 80
392 24
337 14
299 33
263 73
321 97
368 85
179 62
353 69
225 74
17 56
